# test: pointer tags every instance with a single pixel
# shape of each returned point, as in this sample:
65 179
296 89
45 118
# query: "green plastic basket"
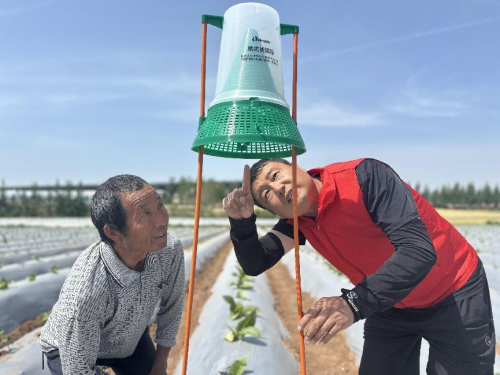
248 129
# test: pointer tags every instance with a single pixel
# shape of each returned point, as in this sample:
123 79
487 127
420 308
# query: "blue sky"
91 89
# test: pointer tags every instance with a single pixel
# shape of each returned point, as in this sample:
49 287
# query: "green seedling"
1 266
4 239
244 282
3 284
241 295
32 276
54 269
46 315
244 327
238 367
4 339
237 309
36 257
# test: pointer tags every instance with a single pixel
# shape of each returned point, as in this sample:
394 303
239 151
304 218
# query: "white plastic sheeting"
211 354
24 300
19 271
25 357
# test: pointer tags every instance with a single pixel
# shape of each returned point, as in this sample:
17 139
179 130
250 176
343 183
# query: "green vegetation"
461 196
54 269
238 367
245 327
238 310
243 282
46 315
3 339
32 276
179 197
36 257
4 284
241 295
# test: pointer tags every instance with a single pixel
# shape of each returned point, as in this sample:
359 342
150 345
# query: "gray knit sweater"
104 307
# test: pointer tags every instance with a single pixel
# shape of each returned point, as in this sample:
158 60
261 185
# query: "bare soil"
334 358
21 330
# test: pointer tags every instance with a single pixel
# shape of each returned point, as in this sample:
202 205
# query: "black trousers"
139 363
461 336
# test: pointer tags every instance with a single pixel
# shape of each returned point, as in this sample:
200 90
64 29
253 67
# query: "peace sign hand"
238 204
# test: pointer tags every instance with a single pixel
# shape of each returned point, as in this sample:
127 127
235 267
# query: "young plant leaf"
238 367
54 269
249 321
241 295
249 331
3 284
32 276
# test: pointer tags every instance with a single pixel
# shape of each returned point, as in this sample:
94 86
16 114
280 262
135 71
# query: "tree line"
70 201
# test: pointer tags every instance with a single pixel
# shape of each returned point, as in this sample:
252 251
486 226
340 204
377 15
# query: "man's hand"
238 204
160 361
327 317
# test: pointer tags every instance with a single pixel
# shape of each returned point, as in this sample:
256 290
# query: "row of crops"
238 329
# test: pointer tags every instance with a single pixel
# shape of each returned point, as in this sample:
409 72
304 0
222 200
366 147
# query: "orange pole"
295 210
197 208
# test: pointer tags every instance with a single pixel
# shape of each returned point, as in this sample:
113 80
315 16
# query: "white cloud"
326 113
417 101
401 39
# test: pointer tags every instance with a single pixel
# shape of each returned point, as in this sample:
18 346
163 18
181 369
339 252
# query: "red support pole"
295 210
197 209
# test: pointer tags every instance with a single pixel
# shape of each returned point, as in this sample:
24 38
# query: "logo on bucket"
257 39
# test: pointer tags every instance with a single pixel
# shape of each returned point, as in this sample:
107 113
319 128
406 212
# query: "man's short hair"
255 172
106 206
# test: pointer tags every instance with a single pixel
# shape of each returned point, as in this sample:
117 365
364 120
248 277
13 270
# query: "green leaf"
250 331
231 302
238 367
230 336
250 308
32 276
3 284
241 295
246 286
35 257
54 269
46 315
249 321
237 312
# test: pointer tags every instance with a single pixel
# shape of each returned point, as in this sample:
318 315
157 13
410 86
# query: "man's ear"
112 234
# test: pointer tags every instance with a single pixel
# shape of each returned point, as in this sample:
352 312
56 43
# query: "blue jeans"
139 363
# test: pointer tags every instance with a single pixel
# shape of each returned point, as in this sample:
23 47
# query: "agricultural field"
250 320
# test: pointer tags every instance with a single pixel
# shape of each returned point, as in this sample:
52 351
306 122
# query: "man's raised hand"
238 204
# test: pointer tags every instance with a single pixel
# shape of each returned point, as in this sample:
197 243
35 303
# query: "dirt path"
202 291
335 358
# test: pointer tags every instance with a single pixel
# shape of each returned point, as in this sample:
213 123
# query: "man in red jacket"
415 275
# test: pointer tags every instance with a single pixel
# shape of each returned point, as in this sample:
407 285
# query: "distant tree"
471 197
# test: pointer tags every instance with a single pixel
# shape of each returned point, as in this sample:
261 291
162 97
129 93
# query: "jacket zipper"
340 254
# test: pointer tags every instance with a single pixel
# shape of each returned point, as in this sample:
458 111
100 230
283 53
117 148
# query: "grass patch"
470 217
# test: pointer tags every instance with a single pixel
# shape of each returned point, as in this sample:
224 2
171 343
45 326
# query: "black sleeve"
287 229
254 255
392 207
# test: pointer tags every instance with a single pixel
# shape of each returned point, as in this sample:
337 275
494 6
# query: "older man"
415 275
110 294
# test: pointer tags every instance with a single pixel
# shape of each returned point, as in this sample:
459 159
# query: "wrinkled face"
273 190
147 221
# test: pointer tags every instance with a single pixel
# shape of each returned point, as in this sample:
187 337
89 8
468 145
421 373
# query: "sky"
91 89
